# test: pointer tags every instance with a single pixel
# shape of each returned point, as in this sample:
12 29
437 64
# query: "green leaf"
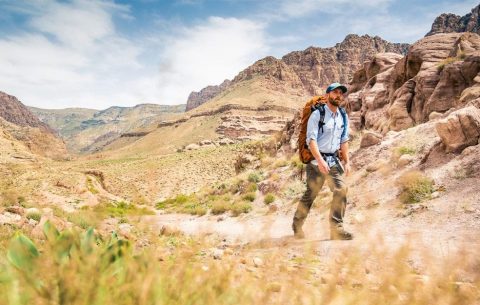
22 252
50 232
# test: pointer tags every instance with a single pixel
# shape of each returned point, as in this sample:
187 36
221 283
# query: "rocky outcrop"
451 23
19 123
195 99
310 71
431 78
460 129
250 126
13 111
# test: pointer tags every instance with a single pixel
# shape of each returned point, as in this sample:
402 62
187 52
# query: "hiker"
325 134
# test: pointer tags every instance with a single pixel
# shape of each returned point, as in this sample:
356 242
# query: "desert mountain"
260 100
88 130
19 124
195 99
451 23
308 72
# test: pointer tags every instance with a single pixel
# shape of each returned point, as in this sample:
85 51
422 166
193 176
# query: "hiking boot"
297 231
337 232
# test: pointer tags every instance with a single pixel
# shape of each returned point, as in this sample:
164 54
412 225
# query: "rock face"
18 123
13 111
398 93
460 129
310 71
195 99
451 23
313 69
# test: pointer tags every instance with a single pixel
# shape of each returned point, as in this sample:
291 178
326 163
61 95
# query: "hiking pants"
315 181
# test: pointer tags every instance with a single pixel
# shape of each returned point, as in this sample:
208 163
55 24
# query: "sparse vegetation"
249 197
255 177
403 150
269 198
34 215
415 187
441 65
240 207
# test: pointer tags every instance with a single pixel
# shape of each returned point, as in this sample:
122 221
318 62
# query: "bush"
35 216
415 187
406 151
252 187
249 197
269 198
240 208
220 207
255 177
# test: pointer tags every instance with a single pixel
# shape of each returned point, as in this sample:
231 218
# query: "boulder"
370 138
192 146
460 129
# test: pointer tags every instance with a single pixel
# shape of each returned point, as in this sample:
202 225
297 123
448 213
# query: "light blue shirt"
329 141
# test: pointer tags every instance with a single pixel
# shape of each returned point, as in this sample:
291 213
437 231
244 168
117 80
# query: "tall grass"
73 267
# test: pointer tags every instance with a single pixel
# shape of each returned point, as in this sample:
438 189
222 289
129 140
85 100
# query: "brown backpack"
316 102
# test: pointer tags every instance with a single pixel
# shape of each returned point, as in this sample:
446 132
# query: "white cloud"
70 54
208 53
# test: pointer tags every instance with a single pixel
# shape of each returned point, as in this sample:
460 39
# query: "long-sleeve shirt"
329 141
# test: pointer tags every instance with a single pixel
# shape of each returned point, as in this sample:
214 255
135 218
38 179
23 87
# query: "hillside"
20 125
261 99
88 130
309 71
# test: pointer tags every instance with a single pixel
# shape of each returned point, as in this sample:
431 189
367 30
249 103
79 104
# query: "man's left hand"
347 168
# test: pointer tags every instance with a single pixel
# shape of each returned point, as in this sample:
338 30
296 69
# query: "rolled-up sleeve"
312 127
346 133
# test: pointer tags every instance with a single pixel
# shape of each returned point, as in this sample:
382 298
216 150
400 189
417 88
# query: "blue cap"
335 86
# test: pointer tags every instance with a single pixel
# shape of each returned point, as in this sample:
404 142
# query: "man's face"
335 97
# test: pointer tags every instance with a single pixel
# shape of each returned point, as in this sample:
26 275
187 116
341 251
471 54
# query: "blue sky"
99 53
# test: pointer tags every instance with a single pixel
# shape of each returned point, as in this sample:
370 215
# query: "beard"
335 102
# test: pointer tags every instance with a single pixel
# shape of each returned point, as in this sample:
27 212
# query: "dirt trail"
378 228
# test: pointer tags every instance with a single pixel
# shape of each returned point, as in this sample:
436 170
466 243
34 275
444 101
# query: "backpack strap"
345 123
321 122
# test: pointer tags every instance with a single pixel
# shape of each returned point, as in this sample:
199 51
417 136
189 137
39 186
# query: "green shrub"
249 197
241 207
406 151
255 177
252 187
220 207
269 198
415 187
34 216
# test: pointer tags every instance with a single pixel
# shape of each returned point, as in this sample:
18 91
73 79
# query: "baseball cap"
334 86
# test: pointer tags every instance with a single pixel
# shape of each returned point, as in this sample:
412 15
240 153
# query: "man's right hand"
323 166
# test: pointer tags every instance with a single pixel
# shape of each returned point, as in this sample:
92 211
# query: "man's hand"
347 168
323 166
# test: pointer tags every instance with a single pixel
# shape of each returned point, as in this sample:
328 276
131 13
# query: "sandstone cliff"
309 72
451 23
438 74
19 124
195 99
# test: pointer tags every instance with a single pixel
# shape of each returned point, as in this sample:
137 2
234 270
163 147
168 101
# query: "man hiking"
326 134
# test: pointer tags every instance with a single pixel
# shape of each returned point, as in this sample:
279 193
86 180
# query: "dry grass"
415 187
74 267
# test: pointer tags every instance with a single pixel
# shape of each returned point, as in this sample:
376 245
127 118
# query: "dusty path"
377 229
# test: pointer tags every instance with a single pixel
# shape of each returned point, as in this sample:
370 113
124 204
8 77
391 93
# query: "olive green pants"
315 181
